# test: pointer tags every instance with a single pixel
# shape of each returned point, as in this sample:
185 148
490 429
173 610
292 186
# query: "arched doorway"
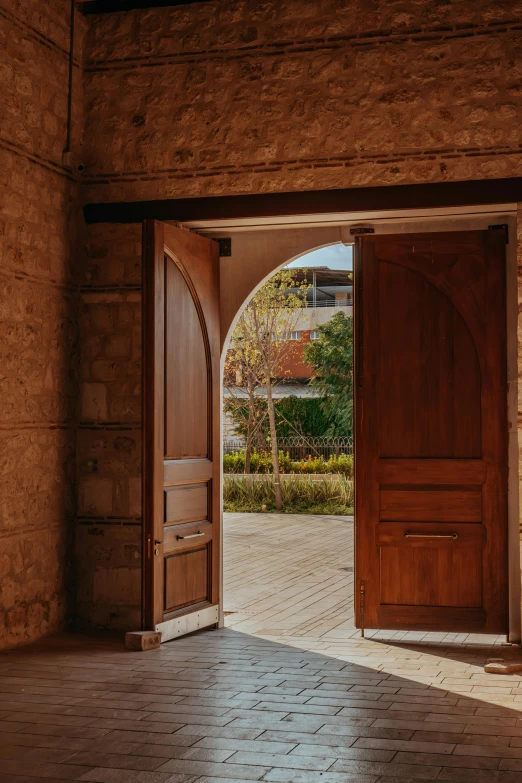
290 572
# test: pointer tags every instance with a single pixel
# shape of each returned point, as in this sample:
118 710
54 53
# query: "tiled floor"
224 706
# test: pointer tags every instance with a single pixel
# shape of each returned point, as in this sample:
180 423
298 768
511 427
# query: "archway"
293 574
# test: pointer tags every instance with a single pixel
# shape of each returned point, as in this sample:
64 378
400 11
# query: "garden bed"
261 463
312 494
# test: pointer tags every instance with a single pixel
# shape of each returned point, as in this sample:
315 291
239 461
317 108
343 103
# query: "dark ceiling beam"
314 202
111 6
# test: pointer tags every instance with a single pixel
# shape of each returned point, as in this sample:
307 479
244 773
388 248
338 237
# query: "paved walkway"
289 575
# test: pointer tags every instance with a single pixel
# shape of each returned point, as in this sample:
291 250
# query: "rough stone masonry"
39 336
235 96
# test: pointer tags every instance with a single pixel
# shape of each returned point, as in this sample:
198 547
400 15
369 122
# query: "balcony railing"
330 303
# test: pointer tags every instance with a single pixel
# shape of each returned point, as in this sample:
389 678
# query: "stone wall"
38 320
242 96
108 532
247 97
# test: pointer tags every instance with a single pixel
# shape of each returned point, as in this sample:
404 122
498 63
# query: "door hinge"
505 228
359 230
361 607
225 246
347 232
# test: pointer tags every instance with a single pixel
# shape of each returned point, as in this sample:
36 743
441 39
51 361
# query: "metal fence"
300 446
330 303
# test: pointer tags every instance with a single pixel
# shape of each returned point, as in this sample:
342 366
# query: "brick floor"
223 706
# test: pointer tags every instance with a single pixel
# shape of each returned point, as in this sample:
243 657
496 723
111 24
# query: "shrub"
300 494
261 462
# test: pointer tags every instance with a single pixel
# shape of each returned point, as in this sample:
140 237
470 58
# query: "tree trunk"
273 439
248 449
251 423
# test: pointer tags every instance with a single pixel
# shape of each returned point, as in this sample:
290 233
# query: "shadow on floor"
223 705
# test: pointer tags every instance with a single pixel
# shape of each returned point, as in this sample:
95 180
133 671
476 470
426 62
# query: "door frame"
152 484
388 221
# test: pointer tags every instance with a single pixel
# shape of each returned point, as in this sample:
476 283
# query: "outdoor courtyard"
289 576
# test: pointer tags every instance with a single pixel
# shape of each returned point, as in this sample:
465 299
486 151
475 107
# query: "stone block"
95 496
142 640
117 585
94 402
135 497
500 666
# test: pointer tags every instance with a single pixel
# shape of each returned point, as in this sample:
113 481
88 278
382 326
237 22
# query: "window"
314 334
293 336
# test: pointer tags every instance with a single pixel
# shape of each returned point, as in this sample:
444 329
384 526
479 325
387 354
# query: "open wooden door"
431 432
181 430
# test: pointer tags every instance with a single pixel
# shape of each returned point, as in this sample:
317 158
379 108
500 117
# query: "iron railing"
330 303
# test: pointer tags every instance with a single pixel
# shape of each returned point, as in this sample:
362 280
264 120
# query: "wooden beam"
313 202
111 6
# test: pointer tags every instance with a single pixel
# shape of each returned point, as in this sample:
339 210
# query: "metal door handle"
407 534
192 535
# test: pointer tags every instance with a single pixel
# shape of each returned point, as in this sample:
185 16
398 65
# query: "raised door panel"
433 407
186 371
425 576
186 504
454 504
186 579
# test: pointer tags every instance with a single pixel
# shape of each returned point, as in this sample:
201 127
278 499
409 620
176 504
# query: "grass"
301 495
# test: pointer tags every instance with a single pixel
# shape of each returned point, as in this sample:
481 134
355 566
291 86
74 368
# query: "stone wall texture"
245 96
39 345
108 531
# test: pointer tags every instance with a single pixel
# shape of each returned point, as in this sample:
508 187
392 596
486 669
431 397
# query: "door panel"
423 505
186 504
187 432
186 579
181 438
419 576
431 431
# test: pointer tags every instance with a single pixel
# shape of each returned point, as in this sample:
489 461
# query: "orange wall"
294 365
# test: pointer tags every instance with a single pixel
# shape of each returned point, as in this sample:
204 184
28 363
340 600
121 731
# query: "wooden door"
431 432
181 430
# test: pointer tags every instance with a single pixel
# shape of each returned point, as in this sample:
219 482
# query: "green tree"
331 359
241 378
294 416
301 416
261 336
